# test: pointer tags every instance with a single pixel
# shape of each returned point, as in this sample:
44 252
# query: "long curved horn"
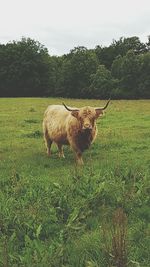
69 109
104 106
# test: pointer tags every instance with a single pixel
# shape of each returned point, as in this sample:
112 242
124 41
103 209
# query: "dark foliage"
120 70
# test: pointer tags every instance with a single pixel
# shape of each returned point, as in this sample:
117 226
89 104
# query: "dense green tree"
55 76
102 83
24 68
144 76
148 44
106 55
123 45
130 75
127 70
77 68
121 70
116 69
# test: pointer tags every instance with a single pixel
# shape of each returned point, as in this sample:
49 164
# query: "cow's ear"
75 113
99 113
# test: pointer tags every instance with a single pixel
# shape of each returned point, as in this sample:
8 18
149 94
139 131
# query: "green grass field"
54 214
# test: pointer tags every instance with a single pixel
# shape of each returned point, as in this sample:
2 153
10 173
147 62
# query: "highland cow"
71 126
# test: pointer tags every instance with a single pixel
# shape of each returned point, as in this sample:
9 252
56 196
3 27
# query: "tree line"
120 70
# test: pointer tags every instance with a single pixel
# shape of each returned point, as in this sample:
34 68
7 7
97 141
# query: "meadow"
56 214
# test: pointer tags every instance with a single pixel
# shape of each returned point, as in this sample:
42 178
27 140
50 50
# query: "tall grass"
56 214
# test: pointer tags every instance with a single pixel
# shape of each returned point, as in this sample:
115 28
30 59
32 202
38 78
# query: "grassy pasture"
56 214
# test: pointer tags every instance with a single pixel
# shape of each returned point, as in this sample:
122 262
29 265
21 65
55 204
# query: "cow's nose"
87 126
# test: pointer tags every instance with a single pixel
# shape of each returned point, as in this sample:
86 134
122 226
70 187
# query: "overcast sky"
61 25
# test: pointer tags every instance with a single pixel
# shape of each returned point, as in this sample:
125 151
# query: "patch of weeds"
145 135
139 147
32 110
112 145
31 121
35 134
46 165
115 239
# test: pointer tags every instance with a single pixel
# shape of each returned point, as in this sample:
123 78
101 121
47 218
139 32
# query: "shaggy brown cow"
71 126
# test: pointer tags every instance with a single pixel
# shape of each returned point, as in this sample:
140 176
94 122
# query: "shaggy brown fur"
74 127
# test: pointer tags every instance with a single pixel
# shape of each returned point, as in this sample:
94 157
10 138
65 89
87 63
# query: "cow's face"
87 117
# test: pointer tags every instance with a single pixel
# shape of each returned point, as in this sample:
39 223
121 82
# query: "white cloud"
61 25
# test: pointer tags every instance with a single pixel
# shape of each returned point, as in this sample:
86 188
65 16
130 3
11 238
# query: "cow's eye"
81 119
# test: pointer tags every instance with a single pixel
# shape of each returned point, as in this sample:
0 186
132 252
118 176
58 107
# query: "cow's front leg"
60 149
79 158
77 151
78 155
